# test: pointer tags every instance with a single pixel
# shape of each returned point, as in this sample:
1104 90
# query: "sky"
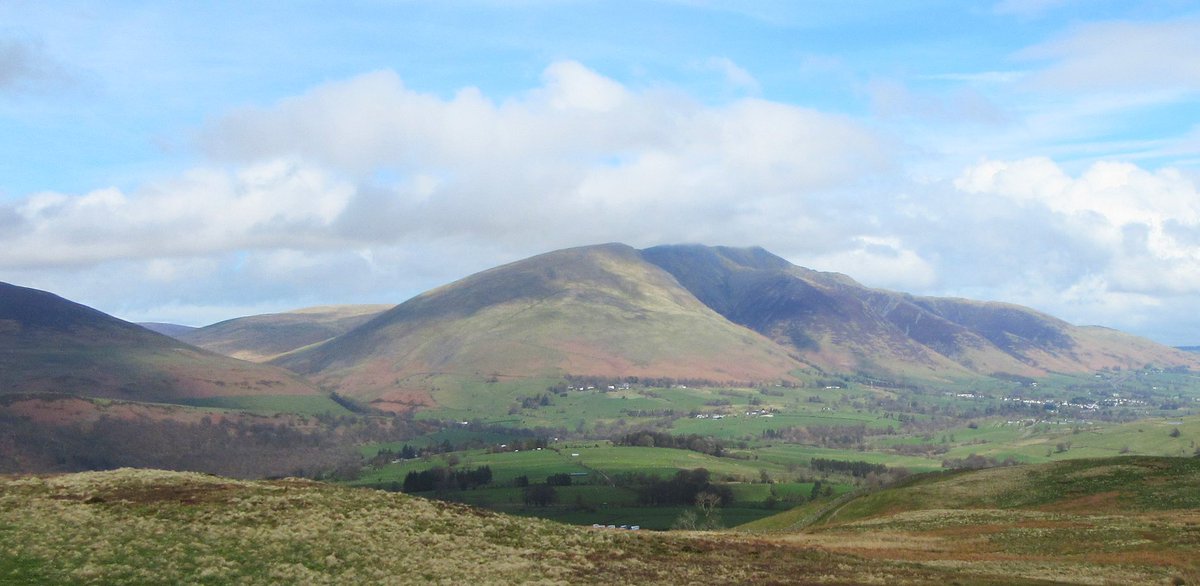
190 162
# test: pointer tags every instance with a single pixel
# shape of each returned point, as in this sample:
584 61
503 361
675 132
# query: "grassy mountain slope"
1113 520
599 310
819 315
838 324
146 526
166 329
260 338
49 344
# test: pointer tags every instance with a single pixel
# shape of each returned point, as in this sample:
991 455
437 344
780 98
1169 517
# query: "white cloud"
270 204
1145 222
580 155
1124 56
571 86
879 262
336 184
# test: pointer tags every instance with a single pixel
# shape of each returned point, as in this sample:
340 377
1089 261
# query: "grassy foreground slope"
1129 520
139 526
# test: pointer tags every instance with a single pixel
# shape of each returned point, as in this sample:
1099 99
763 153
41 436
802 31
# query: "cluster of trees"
444 479
682 489
857 468
654 439
829 436
388 455
540 495
542 400
560 479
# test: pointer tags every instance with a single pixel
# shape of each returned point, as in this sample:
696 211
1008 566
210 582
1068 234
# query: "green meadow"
771 436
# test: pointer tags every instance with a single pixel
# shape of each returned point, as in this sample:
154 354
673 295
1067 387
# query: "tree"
707 503
560 479
540 495
686 521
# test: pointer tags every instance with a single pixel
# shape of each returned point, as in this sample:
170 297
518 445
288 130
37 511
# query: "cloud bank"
366 189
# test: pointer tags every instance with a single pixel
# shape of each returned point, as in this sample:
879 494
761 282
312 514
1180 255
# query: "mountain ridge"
688 312
836 323
589 311
700 312
51 344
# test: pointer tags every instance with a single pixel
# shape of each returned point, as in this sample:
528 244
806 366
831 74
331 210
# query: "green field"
775 433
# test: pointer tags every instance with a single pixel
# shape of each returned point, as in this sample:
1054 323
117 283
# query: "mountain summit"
692 312
598 310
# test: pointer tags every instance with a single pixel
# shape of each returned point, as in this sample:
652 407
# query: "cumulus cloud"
886 261
1144 223
345 178
273 204
367 190
581 154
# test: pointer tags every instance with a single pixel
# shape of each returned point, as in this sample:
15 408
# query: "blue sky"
195 161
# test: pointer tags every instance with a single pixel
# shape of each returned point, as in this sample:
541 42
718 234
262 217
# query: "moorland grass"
142 527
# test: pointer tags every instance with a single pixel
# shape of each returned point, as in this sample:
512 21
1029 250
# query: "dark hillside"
838 324
50 344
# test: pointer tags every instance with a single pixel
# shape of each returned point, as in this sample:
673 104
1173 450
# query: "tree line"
444 479
654 439
856 468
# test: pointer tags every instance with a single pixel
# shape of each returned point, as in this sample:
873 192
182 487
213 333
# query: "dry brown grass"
134 526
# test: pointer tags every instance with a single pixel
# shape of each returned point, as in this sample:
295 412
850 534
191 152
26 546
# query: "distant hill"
50 344
598 310
840 325
695 312
166 329
260 338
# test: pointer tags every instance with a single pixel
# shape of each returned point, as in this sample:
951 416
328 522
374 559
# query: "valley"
755 406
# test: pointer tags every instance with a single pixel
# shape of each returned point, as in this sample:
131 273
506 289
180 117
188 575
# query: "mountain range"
697 312
684 312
